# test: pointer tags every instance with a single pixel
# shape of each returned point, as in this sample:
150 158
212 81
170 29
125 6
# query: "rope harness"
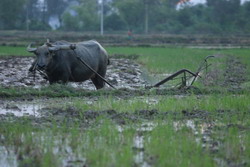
73 47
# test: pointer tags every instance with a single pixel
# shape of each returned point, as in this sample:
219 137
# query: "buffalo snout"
41 66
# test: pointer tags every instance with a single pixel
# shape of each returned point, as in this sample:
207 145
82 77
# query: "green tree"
132 12
83 17
244 20
37 15
114 22
56 8
11 13
163 17
224 13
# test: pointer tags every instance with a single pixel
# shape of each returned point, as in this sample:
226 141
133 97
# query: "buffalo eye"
52 53
47 54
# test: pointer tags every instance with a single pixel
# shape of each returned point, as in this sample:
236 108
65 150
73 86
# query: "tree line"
139 16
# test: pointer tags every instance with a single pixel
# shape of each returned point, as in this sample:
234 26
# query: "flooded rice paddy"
105 130
135 130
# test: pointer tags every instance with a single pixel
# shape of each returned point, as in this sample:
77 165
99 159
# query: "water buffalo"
60 62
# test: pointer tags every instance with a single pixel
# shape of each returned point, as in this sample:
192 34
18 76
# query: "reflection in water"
138 146
202 132
62 148
138 142
7 157
20 109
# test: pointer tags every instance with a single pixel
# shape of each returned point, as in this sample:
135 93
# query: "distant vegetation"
139 16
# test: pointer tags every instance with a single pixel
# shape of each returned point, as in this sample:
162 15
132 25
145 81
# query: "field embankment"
22 38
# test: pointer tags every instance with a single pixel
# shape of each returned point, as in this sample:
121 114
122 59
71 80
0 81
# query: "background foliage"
140 16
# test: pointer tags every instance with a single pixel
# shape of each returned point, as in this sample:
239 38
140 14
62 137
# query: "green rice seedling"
30 147
168 147
211 103
53 91
105 146
13 51
234 149
162 60
171 59
207 103
242 53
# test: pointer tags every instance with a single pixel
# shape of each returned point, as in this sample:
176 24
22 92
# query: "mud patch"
72 114
235 73
121 72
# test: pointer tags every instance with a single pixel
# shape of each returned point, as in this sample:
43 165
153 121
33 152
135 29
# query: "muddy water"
140 158
202 130
36 107
138 142
7 157
21 108
121 72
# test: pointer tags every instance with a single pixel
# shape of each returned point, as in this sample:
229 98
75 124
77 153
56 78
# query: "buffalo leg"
63 79
98 81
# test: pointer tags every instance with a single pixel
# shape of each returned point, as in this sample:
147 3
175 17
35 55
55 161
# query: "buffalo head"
45 53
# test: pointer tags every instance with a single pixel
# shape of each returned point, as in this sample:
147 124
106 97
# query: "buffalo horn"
29 49
60 47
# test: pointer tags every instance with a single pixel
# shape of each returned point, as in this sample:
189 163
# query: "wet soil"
126 75
235 73
230 78
43 114
121 72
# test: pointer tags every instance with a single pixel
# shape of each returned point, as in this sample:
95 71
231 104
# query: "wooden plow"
188 77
